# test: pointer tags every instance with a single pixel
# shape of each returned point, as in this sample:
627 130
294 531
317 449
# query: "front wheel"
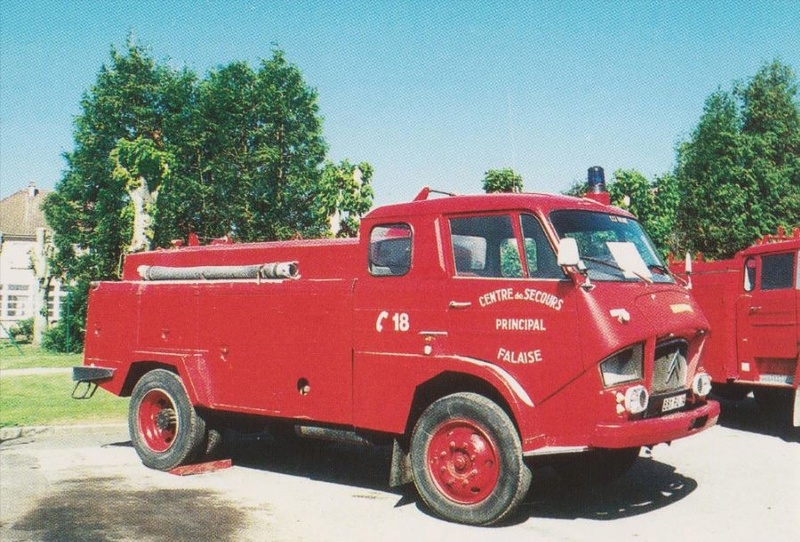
164 426
466 460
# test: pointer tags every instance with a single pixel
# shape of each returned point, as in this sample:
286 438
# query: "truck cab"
752 301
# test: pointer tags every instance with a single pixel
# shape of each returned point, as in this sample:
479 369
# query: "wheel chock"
200 468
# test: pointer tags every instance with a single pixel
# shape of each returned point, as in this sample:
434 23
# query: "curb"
14 433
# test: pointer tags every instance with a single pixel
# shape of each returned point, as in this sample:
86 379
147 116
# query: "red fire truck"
474 334
752 301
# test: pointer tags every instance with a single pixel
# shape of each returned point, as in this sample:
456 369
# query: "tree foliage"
738 174
345 195
160 153
653 203
502 180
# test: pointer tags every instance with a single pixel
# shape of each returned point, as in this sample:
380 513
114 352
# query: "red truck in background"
477 335
752 302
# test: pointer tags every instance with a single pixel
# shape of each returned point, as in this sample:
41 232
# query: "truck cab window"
485 246
777 271
390 250
749 274
539 254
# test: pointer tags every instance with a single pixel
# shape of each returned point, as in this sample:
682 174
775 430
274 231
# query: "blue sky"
429 92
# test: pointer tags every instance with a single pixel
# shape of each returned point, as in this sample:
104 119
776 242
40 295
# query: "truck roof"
543 203
772 245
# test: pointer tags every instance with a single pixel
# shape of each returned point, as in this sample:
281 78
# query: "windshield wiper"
659 267
613 265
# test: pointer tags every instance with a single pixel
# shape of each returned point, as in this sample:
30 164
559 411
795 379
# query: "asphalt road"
737 481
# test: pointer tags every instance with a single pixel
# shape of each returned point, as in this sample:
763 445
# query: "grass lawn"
31 356
45 399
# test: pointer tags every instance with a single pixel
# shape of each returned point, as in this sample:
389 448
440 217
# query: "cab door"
767 318
400 320
509 303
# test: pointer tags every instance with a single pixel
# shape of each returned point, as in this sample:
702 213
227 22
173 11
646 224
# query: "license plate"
671 403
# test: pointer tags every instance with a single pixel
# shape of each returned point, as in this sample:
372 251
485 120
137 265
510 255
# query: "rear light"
624 366
701 385
636 399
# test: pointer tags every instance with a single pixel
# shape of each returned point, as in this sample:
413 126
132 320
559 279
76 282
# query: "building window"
17 306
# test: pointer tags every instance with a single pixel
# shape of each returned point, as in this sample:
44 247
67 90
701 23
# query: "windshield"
612 247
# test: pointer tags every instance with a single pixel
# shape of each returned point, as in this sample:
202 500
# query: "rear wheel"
466 460
165 429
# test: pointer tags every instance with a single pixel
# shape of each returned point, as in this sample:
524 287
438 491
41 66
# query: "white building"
20 218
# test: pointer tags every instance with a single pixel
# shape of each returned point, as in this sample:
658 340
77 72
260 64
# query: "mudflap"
796 409
400 471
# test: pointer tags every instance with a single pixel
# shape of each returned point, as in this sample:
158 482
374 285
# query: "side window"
485 246
539 255
777 271
390 250
749 274
510 265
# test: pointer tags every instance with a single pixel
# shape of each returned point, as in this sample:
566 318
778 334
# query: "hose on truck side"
273 270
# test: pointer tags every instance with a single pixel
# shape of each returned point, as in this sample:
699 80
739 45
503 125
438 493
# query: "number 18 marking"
400 320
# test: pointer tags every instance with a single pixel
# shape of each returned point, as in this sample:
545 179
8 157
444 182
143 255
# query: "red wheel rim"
463 461
158 420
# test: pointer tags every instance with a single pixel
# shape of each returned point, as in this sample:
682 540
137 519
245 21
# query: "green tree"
141 168
344 196
261 153
577 189
502 180
159 154
738 174
91 210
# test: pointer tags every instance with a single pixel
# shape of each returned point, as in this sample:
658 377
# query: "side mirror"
568 252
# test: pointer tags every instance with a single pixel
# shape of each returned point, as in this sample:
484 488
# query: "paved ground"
738 481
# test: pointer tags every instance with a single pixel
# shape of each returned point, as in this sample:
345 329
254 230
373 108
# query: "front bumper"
651 431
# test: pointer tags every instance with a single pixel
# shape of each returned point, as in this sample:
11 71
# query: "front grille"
669 369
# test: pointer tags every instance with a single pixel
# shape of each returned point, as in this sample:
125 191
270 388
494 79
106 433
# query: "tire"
165 429
601 466
466 460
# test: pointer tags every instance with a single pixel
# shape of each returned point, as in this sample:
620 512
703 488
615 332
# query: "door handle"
754 309
460 304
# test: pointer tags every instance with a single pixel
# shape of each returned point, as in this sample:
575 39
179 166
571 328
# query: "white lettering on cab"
509 356
519 324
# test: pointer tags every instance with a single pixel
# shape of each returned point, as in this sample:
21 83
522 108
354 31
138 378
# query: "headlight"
624 366
636 399
701 385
